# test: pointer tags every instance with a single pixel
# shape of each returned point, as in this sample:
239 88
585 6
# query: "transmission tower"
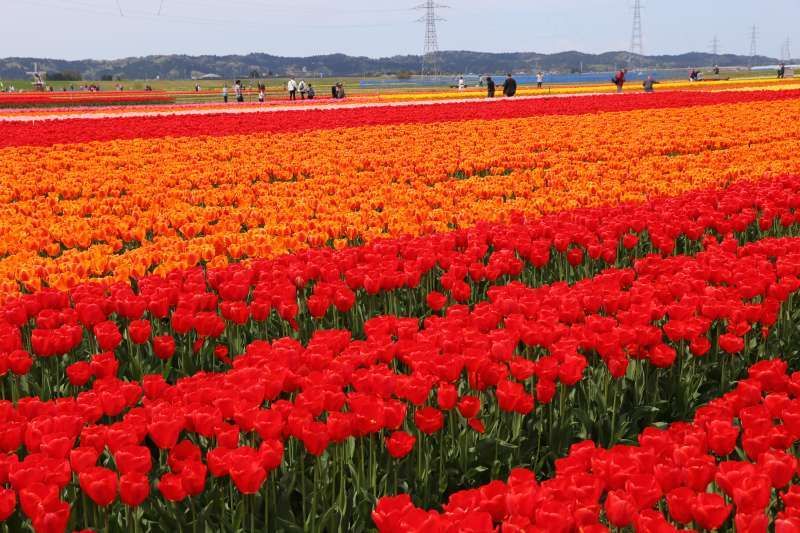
753 45
637 46
715 47
786 50
430 56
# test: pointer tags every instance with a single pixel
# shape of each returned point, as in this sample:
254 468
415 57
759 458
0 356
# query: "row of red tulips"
62 99
734 466
87 130
218 311
312 435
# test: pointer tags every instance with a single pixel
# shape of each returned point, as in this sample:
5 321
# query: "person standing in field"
539 79
311 92
510 87
648 84
619 79
292 88
490 87
461 83
225 93
261 95
781 71
302 88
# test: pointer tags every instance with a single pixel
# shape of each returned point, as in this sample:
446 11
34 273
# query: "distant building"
207 77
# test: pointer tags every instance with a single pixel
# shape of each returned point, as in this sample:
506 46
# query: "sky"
107 29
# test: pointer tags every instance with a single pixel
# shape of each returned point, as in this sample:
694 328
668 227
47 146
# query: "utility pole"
430 56
637 46
753 45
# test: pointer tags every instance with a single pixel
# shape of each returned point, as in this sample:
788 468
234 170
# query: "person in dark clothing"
311 92
333 91
781 71
619 79
490 87
510 87
648 84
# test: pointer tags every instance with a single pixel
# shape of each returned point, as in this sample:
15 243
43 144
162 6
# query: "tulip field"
560 314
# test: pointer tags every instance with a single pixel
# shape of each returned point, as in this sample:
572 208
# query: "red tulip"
469 406
477 425
722 437
20 362
248 477
8 503
400 444
731 343
164 347
171 487
344 299
446 396
710 511
429 420
193 477
236 312
108 335
270 454
620 509
629 241
751 523
165 432
79 373
133 459
680 502
52 517
139 331
134 489
100 484
83 458
436 301
663 356
575 256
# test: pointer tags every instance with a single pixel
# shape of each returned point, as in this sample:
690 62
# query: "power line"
430 56
270 7
113 10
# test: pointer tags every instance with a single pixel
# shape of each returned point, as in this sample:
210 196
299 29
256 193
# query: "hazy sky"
76 29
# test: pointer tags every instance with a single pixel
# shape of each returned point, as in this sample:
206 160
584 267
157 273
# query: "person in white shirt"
461 83
292 88
225 94
302 88
539 79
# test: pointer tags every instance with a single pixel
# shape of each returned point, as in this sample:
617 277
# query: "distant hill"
232 66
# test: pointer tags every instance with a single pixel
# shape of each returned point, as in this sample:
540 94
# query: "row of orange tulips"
123 208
